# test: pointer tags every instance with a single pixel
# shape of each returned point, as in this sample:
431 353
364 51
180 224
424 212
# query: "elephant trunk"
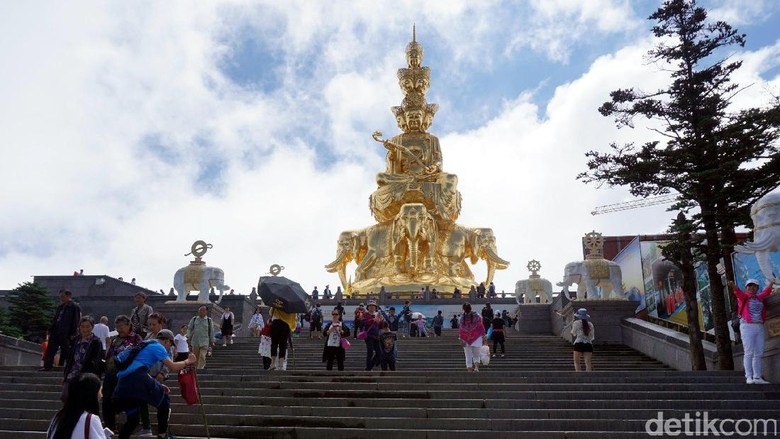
499 263
339 266
767 242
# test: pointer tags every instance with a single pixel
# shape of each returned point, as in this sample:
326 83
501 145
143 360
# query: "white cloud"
124 141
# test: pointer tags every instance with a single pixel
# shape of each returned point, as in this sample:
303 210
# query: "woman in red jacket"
752 313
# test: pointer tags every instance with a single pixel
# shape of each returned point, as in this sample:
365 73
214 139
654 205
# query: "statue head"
414 50
414 120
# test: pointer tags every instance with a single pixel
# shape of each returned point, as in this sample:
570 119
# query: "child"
389 353
180 344
420 326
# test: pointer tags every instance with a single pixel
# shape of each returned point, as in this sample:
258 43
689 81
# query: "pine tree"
31 310
705 147
5 324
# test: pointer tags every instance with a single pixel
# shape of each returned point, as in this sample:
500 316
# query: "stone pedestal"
180 313
606 315
534 318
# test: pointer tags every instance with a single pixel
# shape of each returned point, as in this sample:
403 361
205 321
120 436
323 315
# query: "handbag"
265 346
362 335
266 330
345 343
489 332
188 386
484 355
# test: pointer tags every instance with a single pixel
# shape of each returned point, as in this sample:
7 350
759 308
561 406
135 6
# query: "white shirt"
181 344
101 332
95 428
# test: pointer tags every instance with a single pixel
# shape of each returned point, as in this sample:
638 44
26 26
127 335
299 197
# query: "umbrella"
282 293
417 315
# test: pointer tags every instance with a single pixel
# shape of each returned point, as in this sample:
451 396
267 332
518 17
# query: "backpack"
124 359
316 315
307 316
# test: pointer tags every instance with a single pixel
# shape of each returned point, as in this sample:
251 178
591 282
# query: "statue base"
371 288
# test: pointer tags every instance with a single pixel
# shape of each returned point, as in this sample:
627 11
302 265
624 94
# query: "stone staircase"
533 391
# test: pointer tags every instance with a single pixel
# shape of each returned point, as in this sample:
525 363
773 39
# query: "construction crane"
627 205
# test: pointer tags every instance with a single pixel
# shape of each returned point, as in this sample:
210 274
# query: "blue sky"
148 126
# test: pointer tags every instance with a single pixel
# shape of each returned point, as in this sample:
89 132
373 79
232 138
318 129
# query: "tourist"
316 322
487 315
388 341
370 325
473 293
265 344
498 335
101 331
315 295
136 388
200 333
437 323
156 323
420 325
85 355
180 345
282 325
583 332
392 319
434 294
491 290
64 326
336 334
326 294
752 315
256 323
454 321
481 290
340 308
125 339
228 319
471 333
358 319
140 314
406 319
79 418
421 294
456 293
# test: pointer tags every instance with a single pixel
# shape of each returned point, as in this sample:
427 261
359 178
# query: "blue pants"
373 352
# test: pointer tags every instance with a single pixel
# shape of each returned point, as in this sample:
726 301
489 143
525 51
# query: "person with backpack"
316 322
125 339
752 315
137 388
200 333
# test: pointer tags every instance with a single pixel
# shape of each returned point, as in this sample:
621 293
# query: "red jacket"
743 297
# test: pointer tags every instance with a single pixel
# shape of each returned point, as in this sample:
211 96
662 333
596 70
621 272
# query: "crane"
634 204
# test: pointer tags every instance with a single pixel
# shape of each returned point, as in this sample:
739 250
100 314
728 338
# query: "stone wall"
15 352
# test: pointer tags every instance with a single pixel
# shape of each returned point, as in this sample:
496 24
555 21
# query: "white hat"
752 281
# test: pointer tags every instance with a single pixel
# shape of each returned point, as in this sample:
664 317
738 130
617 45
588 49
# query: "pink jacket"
470 329
743 297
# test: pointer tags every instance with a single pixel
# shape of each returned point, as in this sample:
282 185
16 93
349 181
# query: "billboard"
630 261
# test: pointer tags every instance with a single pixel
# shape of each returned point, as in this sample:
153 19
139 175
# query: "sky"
129 130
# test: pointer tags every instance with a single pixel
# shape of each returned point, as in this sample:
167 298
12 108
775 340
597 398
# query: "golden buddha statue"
416 241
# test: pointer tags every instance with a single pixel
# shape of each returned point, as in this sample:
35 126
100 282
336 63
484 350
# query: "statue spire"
414 32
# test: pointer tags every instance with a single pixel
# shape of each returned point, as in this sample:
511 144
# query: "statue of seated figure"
413 173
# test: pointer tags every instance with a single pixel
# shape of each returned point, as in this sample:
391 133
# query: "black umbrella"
282 293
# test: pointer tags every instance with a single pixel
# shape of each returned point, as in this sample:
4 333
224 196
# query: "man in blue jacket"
136 387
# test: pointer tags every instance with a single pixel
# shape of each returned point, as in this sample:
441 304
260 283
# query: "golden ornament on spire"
416 241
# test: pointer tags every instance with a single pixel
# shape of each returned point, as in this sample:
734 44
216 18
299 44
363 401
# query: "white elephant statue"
201 278
591 274
529 288
766 234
